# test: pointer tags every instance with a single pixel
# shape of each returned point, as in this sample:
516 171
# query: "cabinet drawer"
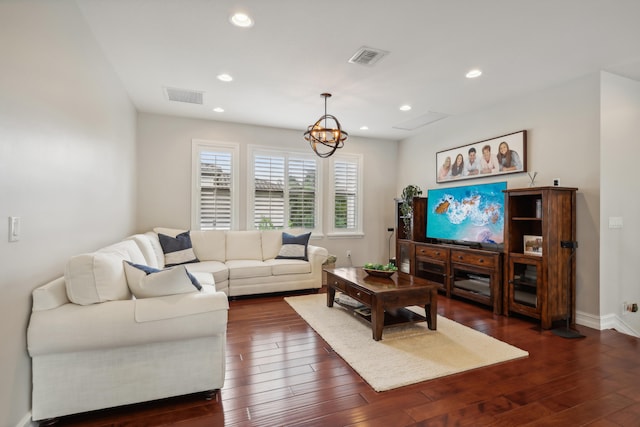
337 283
348 289
474 259
360 295
430 252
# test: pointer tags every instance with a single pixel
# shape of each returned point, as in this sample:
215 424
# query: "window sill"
339 235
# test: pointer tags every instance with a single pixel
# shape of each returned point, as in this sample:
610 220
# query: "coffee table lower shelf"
392 317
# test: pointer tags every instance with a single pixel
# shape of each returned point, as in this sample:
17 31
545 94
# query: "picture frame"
532 245
487 159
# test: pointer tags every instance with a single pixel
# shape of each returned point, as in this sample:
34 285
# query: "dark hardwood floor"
281 373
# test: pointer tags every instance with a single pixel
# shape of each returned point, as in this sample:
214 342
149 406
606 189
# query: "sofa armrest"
73 328
50 296
317 255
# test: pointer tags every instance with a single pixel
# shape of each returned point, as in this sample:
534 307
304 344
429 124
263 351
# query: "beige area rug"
406 354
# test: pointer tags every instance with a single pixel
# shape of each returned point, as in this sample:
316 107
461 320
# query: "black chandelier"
323 139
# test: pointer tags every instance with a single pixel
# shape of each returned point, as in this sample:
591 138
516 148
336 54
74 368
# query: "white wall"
562 126
164 177
67 166
619 198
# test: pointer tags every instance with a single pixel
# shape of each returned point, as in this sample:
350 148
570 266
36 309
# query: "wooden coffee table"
386 297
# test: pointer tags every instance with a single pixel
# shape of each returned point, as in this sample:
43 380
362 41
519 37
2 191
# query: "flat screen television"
470 214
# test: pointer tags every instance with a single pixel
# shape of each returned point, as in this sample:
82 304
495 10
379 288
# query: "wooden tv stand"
475 274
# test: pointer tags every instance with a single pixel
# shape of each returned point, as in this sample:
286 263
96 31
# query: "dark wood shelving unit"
541 286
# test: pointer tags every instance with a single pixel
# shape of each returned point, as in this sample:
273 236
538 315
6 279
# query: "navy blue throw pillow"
294 247
177 250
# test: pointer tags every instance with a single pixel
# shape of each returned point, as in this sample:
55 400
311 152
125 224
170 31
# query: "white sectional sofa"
245 262
93 345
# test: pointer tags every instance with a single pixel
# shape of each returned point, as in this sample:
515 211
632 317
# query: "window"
215 178
285 190
346 194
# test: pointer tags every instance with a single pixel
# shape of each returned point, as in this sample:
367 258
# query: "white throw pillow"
95 277
160 283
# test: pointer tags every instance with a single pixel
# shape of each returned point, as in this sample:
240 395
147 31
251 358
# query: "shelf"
524 282
525 298
473 285
526 218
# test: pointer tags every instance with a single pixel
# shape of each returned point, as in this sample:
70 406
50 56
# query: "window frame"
357 231
199 146
257 150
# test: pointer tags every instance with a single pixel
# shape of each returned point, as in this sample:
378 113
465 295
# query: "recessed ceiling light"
225 77
405 108
364 127
241 20
474 73
218 110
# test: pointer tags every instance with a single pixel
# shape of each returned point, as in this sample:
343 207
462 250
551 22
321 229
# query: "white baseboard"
609 321
26 421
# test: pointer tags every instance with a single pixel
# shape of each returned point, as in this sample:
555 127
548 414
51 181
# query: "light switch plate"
14 228
615 222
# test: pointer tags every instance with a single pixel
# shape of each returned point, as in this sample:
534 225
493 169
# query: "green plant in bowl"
381 270
380 267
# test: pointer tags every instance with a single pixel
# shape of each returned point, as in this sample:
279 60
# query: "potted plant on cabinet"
406 206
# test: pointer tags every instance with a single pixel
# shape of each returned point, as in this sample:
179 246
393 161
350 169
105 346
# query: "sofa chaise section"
98 347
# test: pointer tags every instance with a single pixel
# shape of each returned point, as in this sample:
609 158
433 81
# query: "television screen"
472 213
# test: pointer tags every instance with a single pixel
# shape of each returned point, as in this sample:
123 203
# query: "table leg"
377 321
431 310
331 294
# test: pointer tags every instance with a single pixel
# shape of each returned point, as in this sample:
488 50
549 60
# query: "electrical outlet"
348 253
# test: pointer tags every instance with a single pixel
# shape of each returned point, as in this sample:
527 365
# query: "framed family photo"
497 156
532 245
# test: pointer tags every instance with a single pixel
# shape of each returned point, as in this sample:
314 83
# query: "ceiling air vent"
368 56
184 95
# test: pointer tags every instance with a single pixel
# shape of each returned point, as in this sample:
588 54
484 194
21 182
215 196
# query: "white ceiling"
300 48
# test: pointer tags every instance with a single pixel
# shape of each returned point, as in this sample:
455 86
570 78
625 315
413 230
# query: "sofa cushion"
209 245
280 267
157 249
294 247
148 282
146 246
219 269
244 245
271 243
205 279
177 250
96 277
243 269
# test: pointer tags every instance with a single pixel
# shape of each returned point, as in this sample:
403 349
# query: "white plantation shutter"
347 194
268 205
302 193
214 187
285 192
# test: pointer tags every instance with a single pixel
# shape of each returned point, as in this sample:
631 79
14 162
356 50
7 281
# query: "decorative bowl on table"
379 270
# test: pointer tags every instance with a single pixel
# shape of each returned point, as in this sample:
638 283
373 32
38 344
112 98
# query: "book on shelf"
346 300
